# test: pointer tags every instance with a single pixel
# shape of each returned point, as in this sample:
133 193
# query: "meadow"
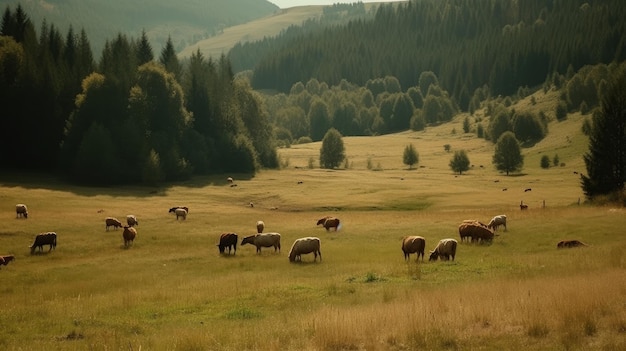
172 290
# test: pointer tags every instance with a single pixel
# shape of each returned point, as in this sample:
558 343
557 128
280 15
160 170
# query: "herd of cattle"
469 231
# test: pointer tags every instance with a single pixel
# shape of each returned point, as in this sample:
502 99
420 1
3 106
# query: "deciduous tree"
460 162
332 152
508 154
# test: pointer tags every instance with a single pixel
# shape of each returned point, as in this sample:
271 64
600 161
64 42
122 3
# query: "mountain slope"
258 29
186 21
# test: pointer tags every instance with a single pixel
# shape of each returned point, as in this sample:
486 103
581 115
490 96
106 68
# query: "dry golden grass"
269 26
172 290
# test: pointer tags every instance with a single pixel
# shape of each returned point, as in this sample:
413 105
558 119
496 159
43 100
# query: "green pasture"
173 291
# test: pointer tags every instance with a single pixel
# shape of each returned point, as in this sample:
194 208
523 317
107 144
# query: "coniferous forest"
130 115
126 116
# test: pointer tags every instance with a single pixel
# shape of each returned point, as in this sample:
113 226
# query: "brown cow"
570 243
4 260
129 235
112 222
413 244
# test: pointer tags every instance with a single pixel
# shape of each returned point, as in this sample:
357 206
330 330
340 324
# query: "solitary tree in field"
410 157
332 152
508 154
606 158
460 162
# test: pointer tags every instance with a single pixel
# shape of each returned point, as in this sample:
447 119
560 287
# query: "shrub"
561 111
304 140
545 161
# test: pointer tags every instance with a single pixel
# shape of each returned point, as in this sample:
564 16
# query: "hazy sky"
291 3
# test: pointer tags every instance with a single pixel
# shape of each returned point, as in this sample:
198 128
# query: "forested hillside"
467 44
129 117
246 54
186 21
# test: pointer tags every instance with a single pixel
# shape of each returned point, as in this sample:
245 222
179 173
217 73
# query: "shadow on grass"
51 181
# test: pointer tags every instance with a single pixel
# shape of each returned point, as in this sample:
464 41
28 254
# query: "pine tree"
170 60
410 156
606 158
144 50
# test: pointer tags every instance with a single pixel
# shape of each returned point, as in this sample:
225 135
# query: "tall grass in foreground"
571 312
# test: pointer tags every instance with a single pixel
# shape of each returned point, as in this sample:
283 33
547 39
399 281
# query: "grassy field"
173 291
252 31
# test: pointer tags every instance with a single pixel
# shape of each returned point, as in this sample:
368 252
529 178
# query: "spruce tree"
606 158
410 156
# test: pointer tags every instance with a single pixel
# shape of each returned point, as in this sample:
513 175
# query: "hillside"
299 19
186 21
172 290
254 30
384 154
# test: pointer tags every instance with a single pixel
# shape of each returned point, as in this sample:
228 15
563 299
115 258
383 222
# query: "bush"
545 161
305 140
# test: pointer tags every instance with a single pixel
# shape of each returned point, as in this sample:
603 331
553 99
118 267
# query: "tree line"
127 117
502 44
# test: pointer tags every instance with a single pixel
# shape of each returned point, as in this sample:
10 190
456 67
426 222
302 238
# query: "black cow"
44 239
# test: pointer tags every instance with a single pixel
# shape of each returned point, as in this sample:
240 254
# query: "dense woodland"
503 44
126 117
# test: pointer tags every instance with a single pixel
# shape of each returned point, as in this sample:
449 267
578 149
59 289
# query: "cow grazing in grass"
44 239
570 243
305 246
497 221
445 249
228 240
112 222
263 240
4 260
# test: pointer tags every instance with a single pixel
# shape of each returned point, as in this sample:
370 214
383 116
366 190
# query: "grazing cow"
260 225
180 212
129 235
230 180
44 239
21 211
522 205
112 222
228 240
329 222
527 190
477 231
263 240
173 209
570 243
304 246
445 249
131 220
496 222
4 260
413 244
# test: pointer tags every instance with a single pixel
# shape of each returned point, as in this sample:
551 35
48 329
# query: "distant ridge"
186 21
